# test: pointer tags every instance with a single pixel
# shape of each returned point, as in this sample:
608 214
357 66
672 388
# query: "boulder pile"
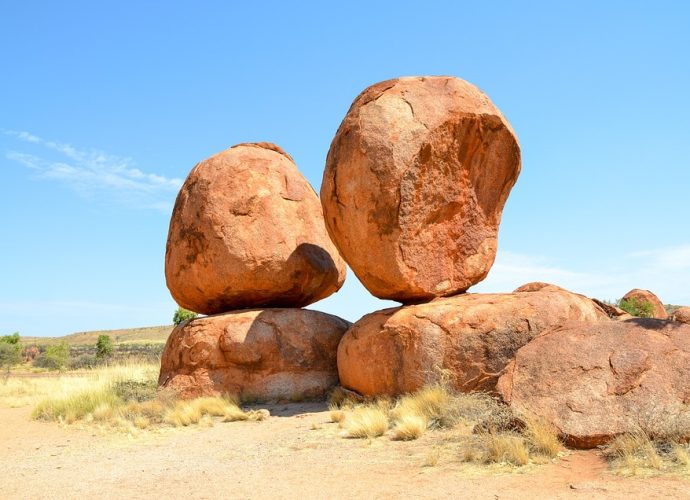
413 191
247 232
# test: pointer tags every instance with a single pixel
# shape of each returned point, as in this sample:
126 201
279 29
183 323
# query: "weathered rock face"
248 231
254 354
682 315
471 336
594 381
414 186
658 310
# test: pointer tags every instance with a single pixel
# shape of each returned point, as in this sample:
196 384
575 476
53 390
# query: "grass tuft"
432 458
336 414
506 448
367 421
409 427
542 437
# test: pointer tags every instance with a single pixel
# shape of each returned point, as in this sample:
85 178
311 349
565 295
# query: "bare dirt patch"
296 453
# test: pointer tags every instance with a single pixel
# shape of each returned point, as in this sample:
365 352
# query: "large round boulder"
594 381
414 186
638 296
261 354
467 339
247 231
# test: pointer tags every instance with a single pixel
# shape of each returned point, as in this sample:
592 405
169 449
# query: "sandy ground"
294 454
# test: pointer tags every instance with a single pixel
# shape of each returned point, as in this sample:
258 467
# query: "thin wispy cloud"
668 258
664 271
93 173
512 270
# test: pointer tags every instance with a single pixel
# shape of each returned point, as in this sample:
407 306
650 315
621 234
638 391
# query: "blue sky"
106 106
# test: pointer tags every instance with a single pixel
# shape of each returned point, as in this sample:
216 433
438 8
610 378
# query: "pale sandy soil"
282 457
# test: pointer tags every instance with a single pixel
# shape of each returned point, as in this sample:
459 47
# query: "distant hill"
146 335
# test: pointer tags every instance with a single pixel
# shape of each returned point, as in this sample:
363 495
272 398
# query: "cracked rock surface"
470 337
414 186
261 354
595 381
247 231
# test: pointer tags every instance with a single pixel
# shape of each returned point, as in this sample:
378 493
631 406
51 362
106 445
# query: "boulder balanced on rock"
414 186
247 230
470 337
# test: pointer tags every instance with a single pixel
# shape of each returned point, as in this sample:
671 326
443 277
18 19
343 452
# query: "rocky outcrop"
262 354
594 381
414 186
613 312
247 230
658 309
682 315
470 338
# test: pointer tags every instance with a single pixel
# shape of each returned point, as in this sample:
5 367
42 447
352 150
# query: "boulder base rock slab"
594 381
658 309
247 231
470 337
263 354
414 186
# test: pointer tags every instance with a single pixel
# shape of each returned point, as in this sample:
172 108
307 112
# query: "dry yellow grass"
367 421
434 403
103 396
408 427
24 391
506 448
432 458
638 454
682 455
542 437
484 430
335 413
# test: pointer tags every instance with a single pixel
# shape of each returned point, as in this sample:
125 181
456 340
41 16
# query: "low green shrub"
55 357
181 315
636 307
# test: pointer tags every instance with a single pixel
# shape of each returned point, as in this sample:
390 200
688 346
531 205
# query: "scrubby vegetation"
125 397
640 454
659 444
104 347
10 353
181 315
636 307
477 426
54 357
